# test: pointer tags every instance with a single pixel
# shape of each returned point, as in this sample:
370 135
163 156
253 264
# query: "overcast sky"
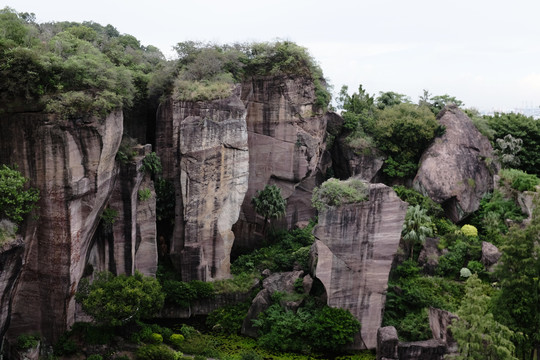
484 52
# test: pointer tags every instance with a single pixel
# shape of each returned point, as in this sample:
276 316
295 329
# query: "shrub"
184 293
27 341
156 338
519 180
144 194
155 352
15 200
228 319
176 340
334 192
151 164
94 357
469 230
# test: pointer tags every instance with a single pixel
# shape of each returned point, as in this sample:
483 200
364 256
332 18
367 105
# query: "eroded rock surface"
457 169
11 262
204 150
286 145
353 252
72 163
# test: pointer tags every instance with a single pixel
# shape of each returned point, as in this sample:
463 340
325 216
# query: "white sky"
484 52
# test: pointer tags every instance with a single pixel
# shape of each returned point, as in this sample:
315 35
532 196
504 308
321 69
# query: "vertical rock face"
353 254
456 170
129 243
204 150
72 163
286 145
11 262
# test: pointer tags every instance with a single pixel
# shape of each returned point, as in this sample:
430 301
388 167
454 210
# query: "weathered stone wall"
286 145
204 150
72 163
11 262
353 253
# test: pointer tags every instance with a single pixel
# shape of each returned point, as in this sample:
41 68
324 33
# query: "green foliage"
144 194
390 98
65 346
334 192
126 152
228 319
16 199
309 328
93 334
184 294
403 132
358 110
155 352
27 341
414 198
519 180
507 149
287 249
469 230
437 103
117 300
416 227
94 357
176 340
269 203
151 164
460 253
156 338
520 127
201 90
239 283
477 333
518 303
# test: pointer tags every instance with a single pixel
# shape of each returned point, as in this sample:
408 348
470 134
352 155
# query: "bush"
15 200
151 164
94 357
519 180
334 192
228 319
469 230
27 341
144 194
184 293
155 352
176 340
156 338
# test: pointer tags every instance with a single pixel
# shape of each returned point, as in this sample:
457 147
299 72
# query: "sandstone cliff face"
456 170
353 254
11 262
286 145
72 163
204 150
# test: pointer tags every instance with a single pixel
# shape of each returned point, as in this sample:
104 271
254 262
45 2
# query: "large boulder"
457 169
353 253
204 150
387 343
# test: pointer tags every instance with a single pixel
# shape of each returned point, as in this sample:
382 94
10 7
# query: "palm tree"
269 203
416 228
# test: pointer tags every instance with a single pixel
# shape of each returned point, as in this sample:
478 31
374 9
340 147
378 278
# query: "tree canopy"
16 199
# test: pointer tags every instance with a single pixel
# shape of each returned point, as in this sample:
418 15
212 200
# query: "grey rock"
490 254
457 169
387 343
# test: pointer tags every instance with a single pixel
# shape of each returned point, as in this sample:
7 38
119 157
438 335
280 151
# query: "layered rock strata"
204 150
458 167
353 252
11 263
286 145
72 163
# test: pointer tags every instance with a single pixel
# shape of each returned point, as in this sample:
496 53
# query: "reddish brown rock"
72 163
353 254
286 144
457 169
204 150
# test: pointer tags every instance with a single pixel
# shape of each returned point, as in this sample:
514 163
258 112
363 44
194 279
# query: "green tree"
437 103
507 149
358 109
518 302
390 98
269 203
118 300
478 334
16 199
416 228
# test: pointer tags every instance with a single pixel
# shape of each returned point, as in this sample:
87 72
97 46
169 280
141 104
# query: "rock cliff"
11 262
204 150
353 252
286 147
457 169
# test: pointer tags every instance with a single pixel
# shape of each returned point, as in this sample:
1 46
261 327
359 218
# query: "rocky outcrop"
387 343
353 252
429 256
72 163
490 255
439 323
422 350
204 150
286 145
127 242
457 169
11 262
282 282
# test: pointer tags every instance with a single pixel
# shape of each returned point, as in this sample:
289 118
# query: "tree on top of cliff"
269 203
